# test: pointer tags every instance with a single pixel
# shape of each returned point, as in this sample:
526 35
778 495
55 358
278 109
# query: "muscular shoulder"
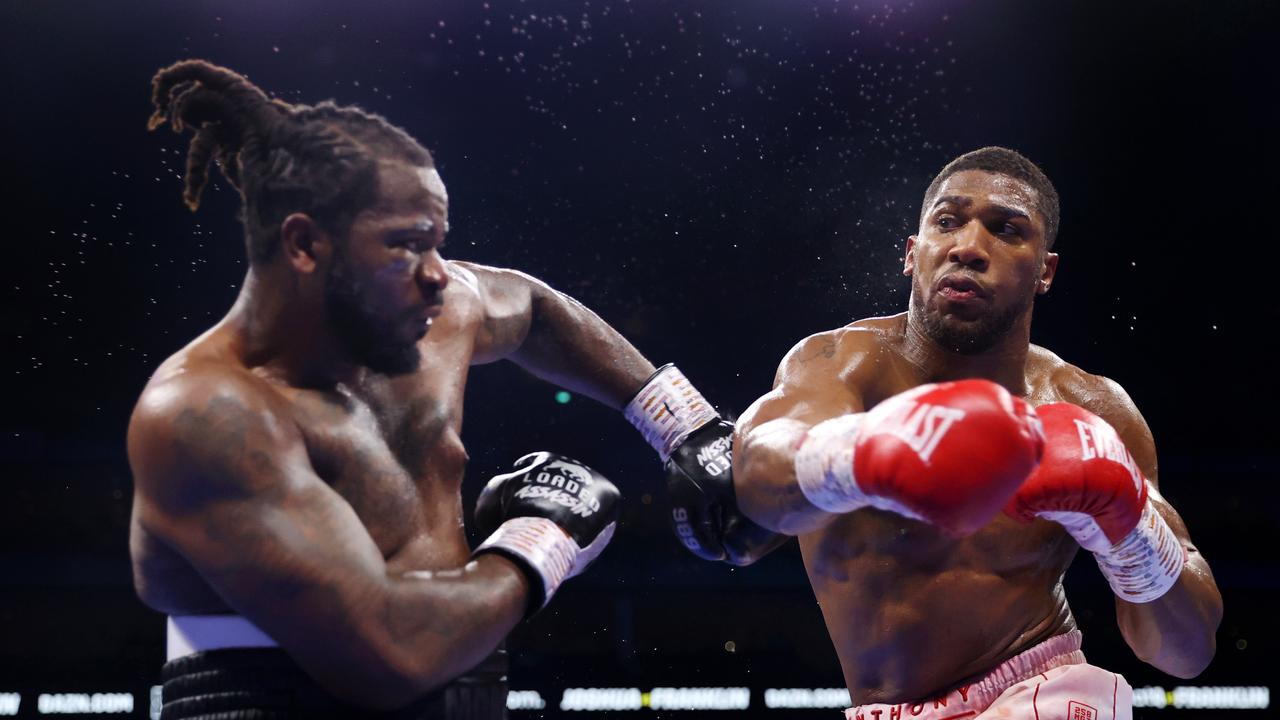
464 296
1101 396
202 427
485 282
822 376
491 287
1068 383
852 356
504 307
835 356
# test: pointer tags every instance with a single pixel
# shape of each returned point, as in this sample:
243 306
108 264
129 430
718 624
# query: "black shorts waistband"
266 684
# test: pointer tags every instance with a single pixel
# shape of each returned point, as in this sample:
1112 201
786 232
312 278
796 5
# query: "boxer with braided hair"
297 466
281 158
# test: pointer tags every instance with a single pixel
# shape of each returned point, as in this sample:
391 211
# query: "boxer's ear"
1047 273
303 243
909 260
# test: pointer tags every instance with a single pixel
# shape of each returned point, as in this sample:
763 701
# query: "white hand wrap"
667 409
824 465
1146 562
542 545
1143 565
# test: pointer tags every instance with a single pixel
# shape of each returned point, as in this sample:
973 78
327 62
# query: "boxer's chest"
896 375
392 449
879 546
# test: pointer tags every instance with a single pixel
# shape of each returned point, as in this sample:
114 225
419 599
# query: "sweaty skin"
390 447
279 479
913 613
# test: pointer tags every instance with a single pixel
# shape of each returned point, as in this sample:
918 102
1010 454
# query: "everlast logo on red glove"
1090 484
949 454
1099 440
920 425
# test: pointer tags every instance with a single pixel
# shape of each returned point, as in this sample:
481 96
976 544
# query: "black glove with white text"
552 516
696 445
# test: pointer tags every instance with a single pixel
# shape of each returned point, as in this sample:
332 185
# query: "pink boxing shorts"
1051 681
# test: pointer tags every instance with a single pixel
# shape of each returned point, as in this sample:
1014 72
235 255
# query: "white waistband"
188 634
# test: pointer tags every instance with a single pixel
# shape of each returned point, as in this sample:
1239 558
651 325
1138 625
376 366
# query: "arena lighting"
9 703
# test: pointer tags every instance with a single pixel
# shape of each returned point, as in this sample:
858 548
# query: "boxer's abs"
913 614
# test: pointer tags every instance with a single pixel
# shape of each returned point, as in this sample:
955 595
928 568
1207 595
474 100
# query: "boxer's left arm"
1175 632
551 335
558 339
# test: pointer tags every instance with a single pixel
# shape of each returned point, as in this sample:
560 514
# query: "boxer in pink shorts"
1049 681
941 473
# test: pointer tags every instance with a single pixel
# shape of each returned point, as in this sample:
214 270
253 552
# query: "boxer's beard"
967 337
366 333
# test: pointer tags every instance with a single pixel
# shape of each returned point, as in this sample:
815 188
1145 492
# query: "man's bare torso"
391 447
913 613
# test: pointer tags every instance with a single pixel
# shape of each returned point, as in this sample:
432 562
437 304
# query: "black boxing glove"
704 508
552 516
696 445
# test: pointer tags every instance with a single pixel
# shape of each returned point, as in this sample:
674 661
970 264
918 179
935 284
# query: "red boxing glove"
951 454
1089 483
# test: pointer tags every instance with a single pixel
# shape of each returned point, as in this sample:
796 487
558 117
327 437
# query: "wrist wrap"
541 547
1142 565
824 465
667 409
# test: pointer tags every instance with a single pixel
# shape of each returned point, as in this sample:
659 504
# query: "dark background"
717 180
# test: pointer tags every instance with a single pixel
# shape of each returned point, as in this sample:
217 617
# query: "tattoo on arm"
222 427
827 351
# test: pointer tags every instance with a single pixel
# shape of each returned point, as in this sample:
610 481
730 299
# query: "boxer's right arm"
819 379
224 478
